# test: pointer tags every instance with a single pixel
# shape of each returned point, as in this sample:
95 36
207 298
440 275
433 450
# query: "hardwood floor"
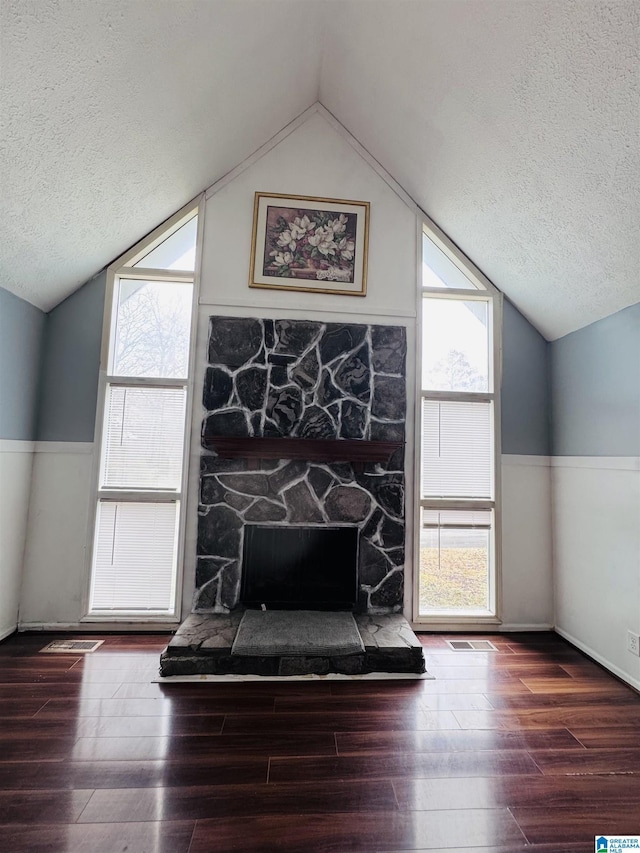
533 747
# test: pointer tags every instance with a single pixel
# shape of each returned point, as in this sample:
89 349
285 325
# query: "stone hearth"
202 646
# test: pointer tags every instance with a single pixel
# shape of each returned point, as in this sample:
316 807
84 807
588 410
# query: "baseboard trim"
100 627
472 625
7 632
487 628
623 676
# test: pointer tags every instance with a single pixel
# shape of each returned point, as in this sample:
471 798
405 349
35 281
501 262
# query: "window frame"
122 268
480 289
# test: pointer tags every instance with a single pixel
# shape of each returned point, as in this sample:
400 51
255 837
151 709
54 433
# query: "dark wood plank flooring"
533 747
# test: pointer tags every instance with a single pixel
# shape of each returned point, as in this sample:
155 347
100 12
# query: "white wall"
21 334
313 160
527 577
16 460
596 502
55 554
595 378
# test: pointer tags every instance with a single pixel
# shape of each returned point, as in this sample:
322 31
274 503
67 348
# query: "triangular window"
440 272
176 252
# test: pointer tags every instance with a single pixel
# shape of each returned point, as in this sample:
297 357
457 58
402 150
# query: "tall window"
458 562
144 387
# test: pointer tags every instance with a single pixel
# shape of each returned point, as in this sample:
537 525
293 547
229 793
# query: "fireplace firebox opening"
300 568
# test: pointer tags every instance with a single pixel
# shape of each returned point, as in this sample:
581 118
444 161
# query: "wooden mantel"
356 451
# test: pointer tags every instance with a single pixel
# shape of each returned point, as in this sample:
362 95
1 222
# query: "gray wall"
526 409
21 332
71 364
596 388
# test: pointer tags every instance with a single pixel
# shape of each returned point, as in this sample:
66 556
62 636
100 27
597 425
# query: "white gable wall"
313 160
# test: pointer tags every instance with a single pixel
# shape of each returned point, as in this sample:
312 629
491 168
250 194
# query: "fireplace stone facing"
302 379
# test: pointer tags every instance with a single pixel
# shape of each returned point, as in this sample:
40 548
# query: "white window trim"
442 621
119 269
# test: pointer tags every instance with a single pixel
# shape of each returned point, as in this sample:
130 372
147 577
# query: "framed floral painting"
313 244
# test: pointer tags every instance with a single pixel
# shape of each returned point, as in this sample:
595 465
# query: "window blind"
456 518
143 437
457 449
134 556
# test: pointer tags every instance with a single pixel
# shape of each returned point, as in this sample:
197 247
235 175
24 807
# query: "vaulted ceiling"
515 124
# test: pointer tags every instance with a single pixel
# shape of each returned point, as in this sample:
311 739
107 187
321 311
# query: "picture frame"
309 244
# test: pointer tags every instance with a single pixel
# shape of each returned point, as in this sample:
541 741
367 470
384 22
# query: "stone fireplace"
314 382
303 435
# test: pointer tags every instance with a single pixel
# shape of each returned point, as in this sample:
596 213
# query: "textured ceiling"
118 112
514 123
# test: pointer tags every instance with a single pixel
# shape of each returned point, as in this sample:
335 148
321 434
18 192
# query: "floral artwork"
315 244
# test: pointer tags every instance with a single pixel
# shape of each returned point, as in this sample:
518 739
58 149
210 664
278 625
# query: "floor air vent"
471 646
73 646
